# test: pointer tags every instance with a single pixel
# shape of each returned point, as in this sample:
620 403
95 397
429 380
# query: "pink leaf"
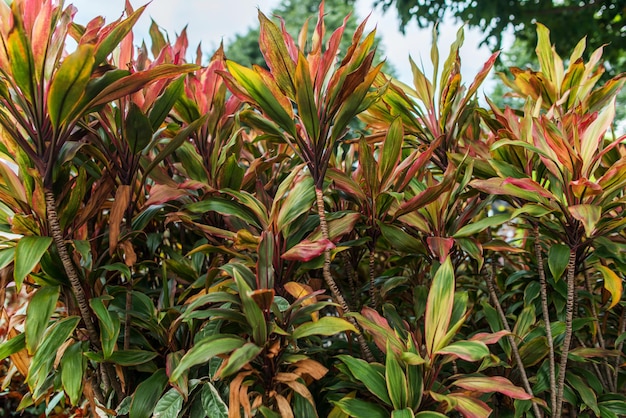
308 250
493 384
489 338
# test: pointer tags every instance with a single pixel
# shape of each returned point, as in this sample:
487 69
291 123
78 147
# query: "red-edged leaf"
488 337
307 250
493 384
440 247
589 215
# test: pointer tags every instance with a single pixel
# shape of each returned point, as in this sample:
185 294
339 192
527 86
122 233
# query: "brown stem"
543 285
569 317
622 329
352 275
518 359
330 282
72 275
373 295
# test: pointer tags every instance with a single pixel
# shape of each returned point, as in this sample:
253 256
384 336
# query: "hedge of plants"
308 238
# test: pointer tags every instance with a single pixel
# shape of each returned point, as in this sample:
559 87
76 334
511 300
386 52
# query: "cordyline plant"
311 100
194 211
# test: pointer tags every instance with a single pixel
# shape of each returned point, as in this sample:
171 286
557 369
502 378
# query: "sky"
212 21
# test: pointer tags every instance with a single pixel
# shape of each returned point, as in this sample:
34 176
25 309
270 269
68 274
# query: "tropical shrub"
307 238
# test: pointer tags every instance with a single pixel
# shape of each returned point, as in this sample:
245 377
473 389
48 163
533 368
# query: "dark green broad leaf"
29 251
138 129
204 350
109 325
38 314
252 311
479 226
72 371
43 360
558 258
212 403
224 207
165 102
131 357
240 358
147 395
361 409
169 406
373 380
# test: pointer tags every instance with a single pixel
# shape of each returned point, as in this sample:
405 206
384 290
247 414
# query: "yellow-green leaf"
72 370
69 83
439 307
328 325
612 283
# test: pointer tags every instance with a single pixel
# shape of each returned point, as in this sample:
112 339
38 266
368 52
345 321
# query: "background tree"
601 21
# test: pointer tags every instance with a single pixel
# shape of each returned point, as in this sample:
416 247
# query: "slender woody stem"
569 317
72 274
330 282
518 359
543 286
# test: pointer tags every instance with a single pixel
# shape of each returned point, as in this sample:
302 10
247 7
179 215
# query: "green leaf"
147 394
252 311
169 406
38 313
239 358
558 258
69 84
534 351
131 357
400 240
587 395
392 148
21 60
109 325
365 373
165 102
299 200
429 414
360 409
43 360
115 35
138 129
479 226
204 350
402 413
224 207
255 86
212 403
28 252
612 283
326 326
525 321
14 345
7 255
466 350
396 381
305 99
72 372
439 307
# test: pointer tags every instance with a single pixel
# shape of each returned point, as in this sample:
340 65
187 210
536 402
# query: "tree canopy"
601 21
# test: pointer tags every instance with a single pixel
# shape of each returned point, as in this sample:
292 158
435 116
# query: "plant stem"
569 317
330 282
372 260
543 285
622 329
518 359
72 274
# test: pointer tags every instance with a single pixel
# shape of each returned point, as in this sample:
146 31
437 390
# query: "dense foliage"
221 241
